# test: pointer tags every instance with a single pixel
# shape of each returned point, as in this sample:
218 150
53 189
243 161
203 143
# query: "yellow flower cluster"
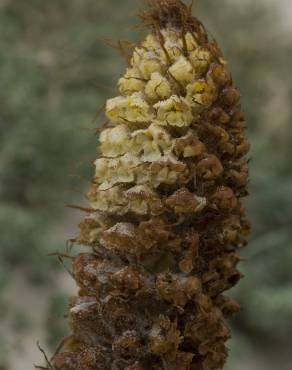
163 84
150 144
165 88
139 199
129 169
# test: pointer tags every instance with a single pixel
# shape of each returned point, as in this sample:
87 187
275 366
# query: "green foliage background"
55 72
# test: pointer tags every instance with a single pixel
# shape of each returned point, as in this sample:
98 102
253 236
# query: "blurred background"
55 73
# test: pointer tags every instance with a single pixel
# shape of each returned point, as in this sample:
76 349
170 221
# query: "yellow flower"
182 70
146 62
158 87
151 43
152 143
115 141
201 94
128 109
143 200
191 42
131 82
175 111
110 200
109 172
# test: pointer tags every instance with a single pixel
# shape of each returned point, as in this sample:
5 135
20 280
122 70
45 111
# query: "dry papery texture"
166 220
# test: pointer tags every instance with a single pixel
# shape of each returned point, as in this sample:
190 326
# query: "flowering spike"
167 217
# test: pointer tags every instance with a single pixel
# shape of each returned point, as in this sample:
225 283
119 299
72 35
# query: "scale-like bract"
167 217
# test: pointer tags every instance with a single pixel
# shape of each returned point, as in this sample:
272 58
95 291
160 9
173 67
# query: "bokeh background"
56 71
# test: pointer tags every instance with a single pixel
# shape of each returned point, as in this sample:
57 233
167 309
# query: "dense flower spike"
167 218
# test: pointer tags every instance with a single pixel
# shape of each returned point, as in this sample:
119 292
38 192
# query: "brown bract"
162 13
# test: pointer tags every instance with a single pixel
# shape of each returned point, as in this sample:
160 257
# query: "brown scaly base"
166 218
